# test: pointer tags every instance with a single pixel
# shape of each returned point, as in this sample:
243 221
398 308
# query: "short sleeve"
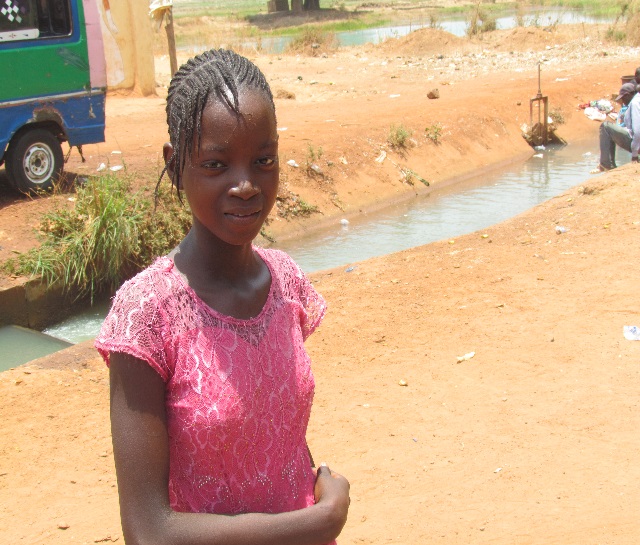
313 304
136 326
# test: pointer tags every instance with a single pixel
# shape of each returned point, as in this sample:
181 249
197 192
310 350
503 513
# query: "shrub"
108 236
480 22
398 136
312 41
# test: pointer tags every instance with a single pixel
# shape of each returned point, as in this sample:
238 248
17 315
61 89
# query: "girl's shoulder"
281 263
158 281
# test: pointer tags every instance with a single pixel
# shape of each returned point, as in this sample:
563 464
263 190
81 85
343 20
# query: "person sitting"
624 133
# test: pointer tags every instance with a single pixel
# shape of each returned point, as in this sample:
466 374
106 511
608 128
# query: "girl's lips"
245 216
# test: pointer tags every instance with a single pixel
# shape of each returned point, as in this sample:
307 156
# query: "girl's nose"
244 189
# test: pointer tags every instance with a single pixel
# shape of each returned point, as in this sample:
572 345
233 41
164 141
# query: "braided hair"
218 73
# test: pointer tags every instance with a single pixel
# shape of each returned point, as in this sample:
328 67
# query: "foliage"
312 41
313 154
480 21
290 205
434 20
398 136
408 175
433 132
108 236
557 116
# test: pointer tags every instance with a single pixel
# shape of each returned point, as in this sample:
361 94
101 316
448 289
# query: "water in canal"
458 209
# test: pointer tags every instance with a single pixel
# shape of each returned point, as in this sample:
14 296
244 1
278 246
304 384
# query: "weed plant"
108 236
399 136
433 132
313 155
312 41
293 206
408 176
480 21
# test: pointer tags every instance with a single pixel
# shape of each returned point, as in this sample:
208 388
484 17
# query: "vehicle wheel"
34 160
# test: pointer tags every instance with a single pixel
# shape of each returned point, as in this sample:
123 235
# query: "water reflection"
463 208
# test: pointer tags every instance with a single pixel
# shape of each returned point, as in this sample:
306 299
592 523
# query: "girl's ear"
170 163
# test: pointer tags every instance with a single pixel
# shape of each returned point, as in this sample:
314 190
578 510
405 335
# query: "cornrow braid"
218 72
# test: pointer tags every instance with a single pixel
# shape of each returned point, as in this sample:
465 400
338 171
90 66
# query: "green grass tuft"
108 236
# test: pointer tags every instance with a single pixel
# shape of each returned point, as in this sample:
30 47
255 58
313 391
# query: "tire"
34 160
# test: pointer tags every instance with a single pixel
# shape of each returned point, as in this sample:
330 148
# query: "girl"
211 386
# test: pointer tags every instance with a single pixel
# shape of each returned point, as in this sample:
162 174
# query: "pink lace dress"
238 392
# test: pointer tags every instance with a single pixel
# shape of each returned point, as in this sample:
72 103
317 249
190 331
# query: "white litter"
292 163
631 332
466 357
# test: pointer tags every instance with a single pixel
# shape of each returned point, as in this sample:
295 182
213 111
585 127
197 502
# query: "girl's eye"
213 164
267 161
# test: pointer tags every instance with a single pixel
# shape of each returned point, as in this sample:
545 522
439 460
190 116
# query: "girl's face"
231 179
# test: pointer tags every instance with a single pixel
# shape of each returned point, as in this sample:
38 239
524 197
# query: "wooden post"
171 41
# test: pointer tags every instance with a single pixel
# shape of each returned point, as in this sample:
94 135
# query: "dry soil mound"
426 42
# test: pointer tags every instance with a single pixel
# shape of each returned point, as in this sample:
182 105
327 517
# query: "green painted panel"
45 66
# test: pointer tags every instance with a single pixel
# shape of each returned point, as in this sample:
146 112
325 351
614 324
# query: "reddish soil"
534 439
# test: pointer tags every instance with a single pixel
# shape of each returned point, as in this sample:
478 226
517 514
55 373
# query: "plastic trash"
292 163
631 332
560 229
344 222
466 357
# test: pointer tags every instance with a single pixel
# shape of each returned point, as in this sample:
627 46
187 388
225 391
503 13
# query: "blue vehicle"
53 87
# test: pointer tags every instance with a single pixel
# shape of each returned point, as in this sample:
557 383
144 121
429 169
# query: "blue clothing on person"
626 134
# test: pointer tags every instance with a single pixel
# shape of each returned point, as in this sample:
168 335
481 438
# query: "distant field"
243 8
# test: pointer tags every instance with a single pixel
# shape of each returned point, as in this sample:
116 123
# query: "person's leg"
611 135
607 147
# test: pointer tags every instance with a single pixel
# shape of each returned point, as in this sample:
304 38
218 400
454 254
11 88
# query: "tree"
311 4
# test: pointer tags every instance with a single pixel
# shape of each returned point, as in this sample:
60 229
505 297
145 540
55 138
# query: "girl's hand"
332 490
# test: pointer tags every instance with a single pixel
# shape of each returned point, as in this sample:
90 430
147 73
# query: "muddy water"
458 209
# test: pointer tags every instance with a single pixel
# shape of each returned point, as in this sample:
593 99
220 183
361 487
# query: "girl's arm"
141 452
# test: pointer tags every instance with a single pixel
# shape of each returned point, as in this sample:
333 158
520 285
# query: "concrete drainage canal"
457 209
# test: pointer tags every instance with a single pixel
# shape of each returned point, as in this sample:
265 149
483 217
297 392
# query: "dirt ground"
531 440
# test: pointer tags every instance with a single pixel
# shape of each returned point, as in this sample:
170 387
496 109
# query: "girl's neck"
233 280
200 259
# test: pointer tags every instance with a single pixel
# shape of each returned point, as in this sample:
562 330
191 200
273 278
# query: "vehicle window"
57 15
29 19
